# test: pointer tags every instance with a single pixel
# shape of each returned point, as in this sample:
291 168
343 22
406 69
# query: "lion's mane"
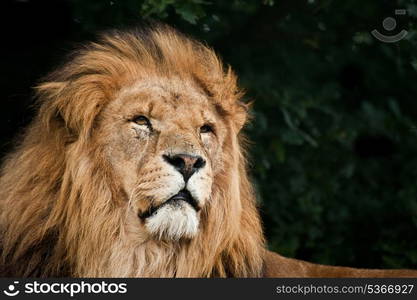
62 214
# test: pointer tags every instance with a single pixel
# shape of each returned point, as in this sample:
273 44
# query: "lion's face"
163 140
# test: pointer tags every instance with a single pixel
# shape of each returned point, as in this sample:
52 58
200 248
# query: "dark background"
334 132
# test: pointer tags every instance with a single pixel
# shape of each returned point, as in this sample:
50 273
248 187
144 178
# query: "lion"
135 166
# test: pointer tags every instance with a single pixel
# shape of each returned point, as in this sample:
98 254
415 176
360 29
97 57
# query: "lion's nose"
186 164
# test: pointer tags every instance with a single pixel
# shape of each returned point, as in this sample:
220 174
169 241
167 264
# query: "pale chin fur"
173 221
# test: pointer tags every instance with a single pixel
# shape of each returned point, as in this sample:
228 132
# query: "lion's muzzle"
181 190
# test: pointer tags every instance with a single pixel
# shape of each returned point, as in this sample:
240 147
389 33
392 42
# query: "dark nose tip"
186 164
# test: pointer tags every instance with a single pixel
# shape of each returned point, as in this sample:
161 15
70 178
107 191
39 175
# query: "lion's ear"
237 112
47 92
72 104
241 114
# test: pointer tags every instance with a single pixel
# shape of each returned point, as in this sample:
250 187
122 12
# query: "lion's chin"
173 221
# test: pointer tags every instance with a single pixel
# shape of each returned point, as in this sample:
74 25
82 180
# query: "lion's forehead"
174 89
171 99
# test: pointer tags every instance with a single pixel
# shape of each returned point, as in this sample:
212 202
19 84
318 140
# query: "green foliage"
334 132
189 10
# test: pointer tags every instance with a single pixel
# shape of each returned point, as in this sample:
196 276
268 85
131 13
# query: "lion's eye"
206 128
141 120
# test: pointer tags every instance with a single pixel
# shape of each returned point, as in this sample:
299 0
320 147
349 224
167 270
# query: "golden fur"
63 213
70 193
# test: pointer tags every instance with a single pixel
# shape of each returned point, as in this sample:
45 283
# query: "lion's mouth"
183 195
